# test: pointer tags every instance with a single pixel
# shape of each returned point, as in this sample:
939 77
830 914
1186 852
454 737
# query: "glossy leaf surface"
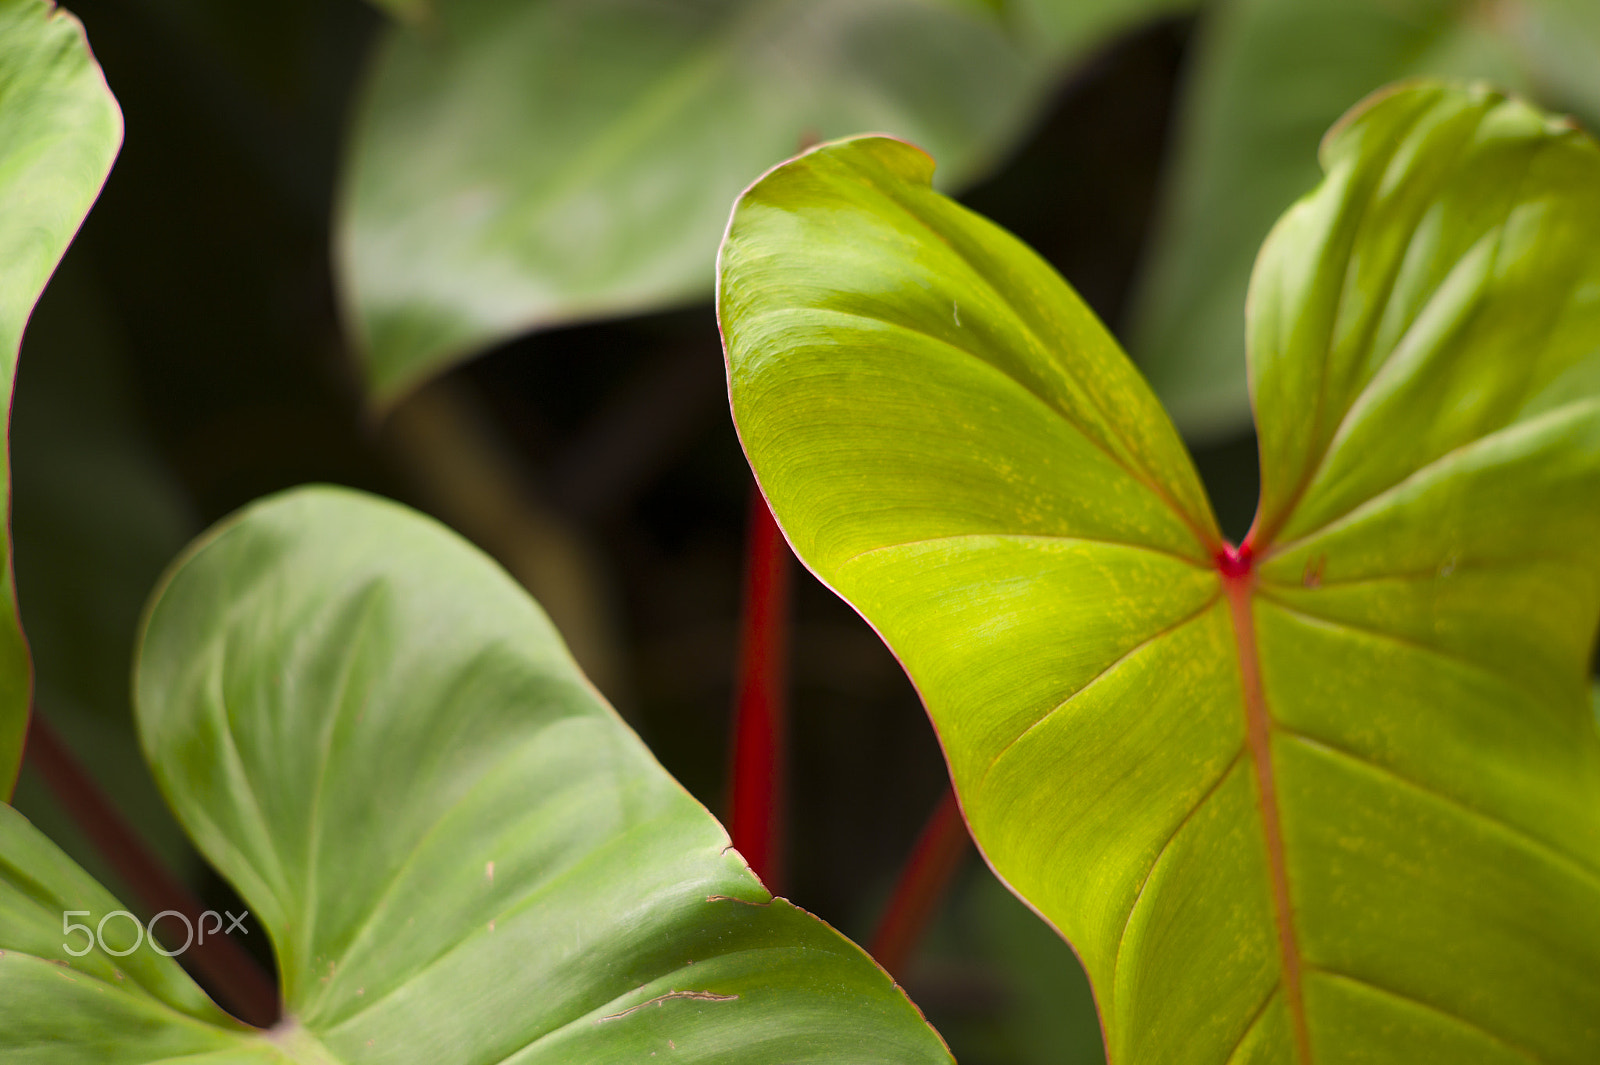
1332 798
518 165
458 849
59 130
1268 78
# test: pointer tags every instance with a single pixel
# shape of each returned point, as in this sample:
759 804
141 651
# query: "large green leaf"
460 852
1336 791
519 164
1269 77
59 130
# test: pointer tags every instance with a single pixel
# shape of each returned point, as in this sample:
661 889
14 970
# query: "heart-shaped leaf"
459 851
518 165
1334 796
1268 77
59 130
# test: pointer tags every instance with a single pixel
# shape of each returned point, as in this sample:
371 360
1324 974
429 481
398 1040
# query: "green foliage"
59 131
409 10
1338 797
459 851
1269 76
521 165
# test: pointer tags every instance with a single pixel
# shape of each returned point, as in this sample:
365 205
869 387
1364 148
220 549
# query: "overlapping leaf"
1269 76
519 164
459 850
1337 798
59 131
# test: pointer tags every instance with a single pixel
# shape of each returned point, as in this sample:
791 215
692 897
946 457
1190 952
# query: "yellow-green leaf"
1333 796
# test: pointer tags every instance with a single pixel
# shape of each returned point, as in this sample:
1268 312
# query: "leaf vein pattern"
1434 573
1023 538
1027 327
1145 482
336 704
1166 845
369 922
1092 681
1573 863
1498 1040
617 842
143 999
1377 501
1255 1019
220 696
1460 660
1319 411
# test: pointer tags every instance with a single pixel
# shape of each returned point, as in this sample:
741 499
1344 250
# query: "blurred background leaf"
1070 30
408 10
517 165
1266 79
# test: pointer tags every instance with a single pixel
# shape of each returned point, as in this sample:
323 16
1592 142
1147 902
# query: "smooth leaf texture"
460 852
59 130
1268 78
1070 29
1333 799
519 164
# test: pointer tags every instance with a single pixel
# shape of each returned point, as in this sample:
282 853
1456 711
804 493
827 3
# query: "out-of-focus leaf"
460 852
409 10
1336 797
96 519
520 164
1070 29
1269 77
59 130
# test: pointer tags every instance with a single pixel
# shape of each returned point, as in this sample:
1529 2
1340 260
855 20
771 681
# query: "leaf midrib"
1258 736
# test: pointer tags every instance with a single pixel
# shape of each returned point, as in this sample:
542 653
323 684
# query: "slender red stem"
757 786
935 858
240 983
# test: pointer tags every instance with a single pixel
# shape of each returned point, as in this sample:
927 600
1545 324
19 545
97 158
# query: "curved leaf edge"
12 746
289 1032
